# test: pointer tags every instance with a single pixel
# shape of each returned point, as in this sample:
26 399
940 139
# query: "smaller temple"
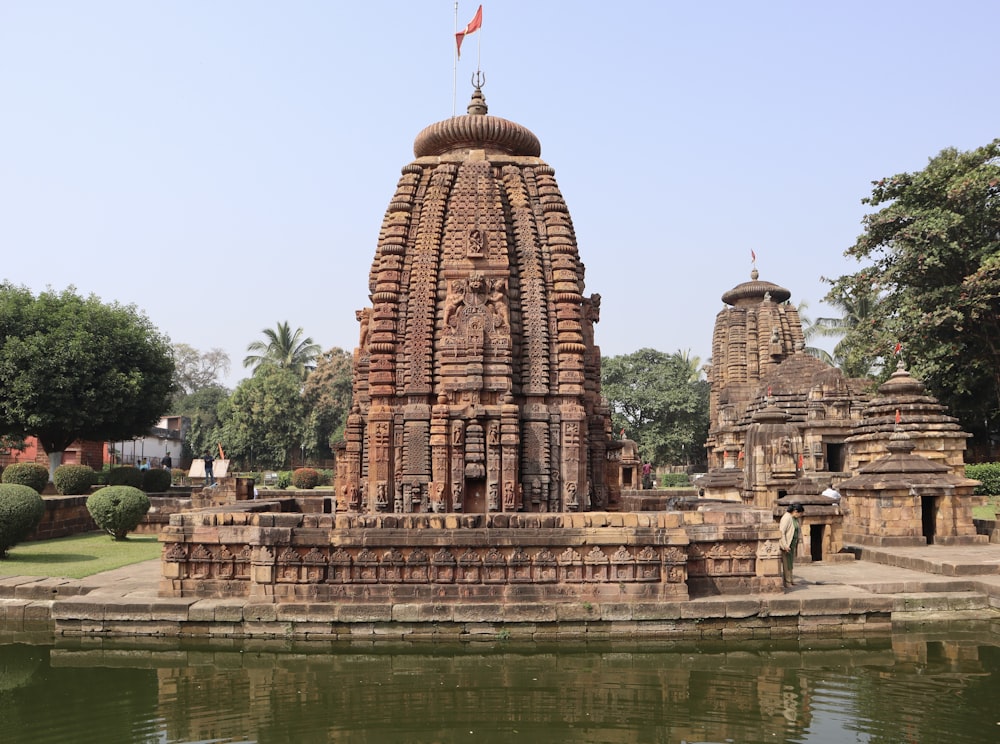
906 499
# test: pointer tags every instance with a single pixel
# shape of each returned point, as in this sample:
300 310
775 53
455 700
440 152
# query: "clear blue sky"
226 165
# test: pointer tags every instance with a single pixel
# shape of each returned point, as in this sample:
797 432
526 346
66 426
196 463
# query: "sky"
225 166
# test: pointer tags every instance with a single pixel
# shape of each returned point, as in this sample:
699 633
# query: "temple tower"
476 377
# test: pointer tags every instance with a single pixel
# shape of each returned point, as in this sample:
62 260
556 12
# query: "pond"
908 688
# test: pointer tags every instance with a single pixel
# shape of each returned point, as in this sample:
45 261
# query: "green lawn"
988 510
78 556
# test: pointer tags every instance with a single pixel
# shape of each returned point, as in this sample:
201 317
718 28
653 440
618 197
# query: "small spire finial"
477 106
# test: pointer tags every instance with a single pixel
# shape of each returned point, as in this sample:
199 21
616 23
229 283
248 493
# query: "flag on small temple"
753 256
474 25
622 435
899 416
801 461
222 455
899 348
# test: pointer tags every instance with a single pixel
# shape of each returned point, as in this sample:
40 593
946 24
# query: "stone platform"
886 590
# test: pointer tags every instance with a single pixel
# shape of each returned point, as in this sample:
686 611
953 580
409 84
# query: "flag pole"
454 68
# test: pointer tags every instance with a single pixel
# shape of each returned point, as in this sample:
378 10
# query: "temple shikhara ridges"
476 377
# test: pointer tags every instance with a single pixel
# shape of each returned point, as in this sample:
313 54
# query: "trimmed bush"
326 477
126 475
73 480
156 481
30 474
988 473
284 479
21 509
674 480
305 478
118 509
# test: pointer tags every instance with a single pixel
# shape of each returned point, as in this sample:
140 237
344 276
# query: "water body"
908 688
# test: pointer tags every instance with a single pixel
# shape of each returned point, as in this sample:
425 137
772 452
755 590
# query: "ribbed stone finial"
477 106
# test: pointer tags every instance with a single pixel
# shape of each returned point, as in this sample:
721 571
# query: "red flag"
899 416
753 256
222 455
800 462
899 348
474 25
622 435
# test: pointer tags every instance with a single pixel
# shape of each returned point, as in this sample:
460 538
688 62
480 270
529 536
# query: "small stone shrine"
476 376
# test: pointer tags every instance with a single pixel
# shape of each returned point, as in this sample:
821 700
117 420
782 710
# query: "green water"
910 688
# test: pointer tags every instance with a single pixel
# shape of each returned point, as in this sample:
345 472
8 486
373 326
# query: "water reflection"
905 689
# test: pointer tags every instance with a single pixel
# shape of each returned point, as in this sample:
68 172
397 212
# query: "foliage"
202 408
306 478
326 477
284 479
659 401
283 349
156 480
933 270
78 556
674 480
118 509
73 480
859 308
74 368
126 475
988 473
21 509
327 395
195 370
262 421
30 474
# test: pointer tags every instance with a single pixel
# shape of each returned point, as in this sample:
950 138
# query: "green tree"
195 370
660 402
283 349
263 420
859 307
202 408
75 368
327 396
933 266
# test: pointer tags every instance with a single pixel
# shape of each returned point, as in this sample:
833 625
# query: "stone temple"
476 377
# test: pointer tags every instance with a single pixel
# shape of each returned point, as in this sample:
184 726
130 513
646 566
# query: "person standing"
209 475
791 533
166 462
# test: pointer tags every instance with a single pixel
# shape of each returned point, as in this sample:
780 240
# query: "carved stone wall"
637 557
476 376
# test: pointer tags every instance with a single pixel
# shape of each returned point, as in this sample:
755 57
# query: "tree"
327 396
74 368
202 408
195 370
262 421
283 349
659 402
858 307
933 269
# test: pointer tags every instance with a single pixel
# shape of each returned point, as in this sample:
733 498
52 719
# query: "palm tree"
283 349
811 330
857 311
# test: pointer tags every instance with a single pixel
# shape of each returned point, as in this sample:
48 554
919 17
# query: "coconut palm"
810 330
283 349
857 312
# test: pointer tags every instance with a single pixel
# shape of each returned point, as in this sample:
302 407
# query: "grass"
989 510
78 556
